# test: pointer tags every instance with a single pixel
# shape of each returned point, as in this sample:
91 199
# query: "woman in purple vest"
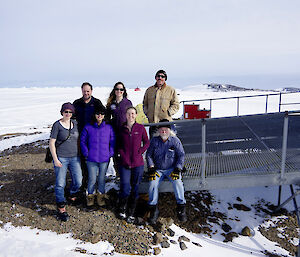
97 146
133 143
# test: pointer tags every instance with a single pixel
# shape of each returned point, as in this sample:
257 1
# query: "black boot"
62 215
131 210
122 208
181 212
153 214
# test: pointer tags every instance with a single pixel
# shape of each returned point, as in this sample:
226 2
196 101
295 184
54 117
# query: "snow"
31 111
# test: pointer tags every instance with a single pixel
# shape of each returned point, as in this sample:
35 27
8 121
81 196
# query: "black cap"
100 110
164 126
161 72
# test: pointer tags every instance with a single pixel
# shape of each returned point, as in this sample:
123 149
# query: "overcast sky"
251 43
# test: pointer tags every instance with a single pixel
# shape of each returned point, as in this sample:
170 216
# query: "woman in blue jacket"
97 146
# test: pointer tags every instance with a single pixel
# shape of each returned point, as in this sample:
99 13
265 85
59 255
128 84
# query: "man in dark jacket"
85 106
84 110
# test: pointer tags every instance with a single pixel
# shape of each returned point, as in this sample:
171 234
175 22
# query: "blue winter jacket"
97 142
165 155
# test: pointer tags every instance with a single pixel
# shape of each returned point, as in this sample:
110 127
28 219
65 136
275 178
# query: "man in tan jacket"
160 101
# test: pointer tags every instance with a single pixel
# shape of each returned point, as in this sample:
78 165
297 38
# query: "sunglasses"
68 112
100 113
160 76
119 89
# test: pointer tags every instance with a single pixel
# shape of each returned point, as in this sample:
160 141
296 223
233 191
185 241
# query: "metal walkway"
244 151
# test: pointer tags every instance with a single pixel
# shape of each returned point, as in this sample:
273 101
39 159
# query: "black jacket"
84 111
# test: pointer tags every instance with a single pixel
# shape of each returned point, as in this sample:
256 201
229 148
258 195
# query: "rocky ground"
27 199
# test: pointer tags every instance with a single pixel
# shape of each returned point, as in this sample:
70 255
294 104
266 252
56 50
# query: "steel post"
279 101
284 143
203 162
267 97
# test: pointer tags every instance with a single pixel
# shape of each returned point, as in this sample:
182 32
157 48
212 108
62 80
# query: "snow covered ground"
33 110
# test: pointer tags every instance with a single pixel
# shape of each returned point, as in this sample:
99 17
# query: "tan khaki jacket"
160 103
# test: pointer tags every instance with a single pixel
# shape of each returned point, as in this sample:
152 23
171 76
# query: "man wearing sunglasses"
160 100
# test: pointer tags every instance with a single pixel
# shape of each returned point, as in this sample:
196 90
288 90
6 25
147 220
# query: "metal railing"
241 97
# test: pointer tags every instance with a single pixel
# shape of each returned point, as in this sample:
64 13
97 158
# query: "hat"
164 125
100 110
67 106
161 72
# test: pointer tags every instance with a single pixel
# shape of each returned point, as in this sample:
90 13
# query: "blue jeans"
97 171
73 164
130 180
177 186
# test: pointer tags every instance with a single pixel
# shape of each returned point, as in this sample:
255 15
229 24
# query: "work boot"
181 212
101 199
61 212
153 214
122 208
131 211
90 200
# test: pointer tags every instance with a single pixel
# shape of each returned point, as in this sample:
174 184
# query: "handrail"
247 96
231 97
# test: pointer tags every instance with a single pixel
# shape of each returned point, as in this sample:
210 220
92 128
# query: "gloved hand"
152 173
175 173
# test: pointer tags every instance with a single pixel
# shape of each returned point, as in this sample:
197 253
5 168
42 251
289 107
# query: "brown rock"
157 238
226 227
165 244
241 207
156 250
182 246
246 231
183 238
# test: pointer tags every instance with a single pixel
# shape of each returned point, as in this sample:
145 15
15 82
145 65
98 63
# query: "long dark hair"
112 95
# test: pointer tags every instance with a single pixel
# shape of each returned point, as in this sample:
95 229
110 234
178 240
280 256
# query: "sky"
249 43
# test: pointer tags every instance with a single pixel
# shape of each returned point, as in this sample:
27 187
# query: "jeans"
97 171
130 180
177 186
73 164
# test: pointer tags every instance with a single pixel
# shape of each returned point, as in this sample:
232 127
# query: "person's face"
99 117
86 92
119 90
160 79
164 133
131 115
67 113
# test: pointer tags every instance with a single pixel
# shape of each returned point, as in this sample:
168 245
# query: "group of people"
89 134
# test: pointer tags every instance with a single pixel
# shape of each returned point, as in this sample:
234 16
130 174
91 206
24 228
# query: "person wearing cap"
160 100
97 143
84 112
63 145
165 159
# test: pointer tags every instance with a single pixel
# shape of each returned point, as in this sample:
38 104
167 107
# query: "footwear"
153 214
122 208
131 210
63 216
90 200
74 200
61 212
101 199
181 212
130 219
